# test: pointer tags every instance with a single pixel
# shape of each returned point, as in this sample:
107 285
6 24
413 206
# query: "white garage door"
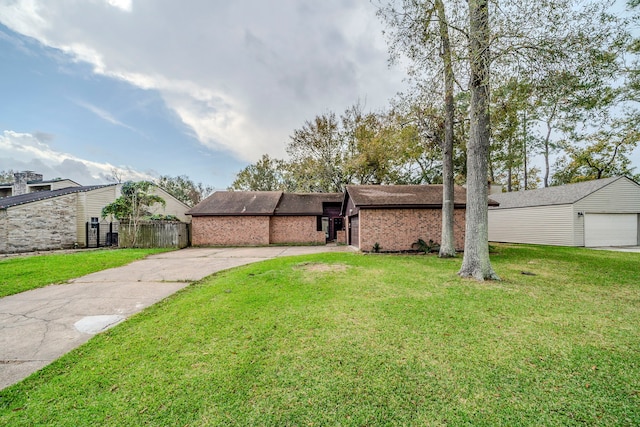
610 230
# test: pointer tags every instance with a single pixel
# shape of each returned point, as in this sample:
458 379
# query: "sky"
158 87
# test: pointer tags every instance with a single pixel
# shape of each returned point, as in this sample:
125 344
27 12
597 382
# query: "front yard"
22 273
349 339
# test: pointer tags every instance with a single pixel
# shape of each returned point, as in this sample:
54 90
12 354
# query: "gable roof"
7 202
52 181
223 203
406 196
305 203
550 196
237 203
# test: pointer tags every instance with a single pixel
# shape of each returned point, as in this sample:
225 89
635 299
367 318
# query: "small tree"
133 205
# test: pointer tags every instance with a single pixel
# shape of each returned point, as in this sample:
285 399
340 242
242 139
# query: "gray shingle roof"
238 203
561 195
306 203
263 203
7 202
402 195
51 181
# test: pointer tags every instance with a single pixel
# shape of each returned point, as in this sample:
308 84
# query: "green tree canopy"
267 174
184 189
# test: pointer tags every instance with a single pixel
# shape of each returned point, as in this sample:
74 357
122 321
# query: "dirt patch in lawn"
320 267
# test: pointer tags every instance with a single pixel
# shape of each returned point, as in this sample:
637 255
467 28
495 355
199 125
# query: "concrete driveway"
618 248
38 326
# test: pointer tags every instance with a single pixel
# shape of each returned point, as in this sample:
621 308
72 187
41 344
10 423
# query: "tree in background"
317 153
632 71
512 143
563 60
266 174
133 205
605 154
357 147
184 189
6 176
381 147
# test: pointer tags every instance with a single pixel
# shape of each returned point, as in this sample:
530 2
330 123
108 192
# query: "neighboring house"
603 212
48 220
64 218
396 216
239 218
31 182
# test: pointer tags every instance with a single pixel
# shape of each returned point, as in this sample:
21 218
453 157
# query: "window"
322 223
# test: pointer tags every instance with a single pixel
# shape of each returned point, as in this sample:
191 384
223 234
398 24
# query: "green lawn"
19 274
364 340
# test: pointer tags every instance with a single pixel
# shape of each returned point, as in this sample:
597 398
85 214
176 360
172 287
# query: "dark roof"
305 203
238 203
561 195
50 181
38 182
7 202
405 196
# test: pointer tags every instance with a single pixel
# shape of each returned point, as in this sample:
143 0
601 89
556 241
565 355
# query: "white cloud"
121 4
103 114
25 151
242 75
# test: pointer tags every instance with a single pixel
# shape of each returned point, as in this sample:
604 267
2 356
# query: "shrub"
426 247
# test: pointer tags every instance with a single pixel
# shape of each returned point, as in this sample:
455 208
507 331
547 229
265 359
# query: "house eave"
416 206
228 214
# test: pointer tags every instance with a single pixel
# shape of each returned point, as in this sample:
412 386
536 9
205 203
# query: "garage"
602 229
603 212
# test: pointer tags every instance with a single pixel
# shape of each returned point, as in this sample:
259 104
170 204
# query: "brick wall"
295 229
398 229
40 226
230 230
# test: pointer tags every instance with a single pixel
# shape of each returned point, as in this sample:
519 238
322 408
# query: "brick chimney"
20 180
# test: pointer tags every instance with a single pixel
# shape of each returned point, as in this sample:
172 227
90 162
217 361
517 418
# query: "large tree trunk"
476 262
524 151
509 164
447 243
547 142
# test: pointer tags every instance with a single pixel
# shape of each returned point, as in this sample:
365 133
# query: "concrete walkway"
38 326
618 248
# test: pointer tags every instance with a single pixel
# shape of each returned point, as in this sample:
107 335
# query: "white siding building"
604 212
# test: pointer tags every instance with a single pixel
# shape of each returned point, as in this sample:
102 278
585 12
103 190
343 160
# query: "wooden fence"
155 234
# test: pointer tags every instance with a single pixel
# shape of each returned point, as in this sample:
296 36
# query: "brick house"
396 216
254 218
